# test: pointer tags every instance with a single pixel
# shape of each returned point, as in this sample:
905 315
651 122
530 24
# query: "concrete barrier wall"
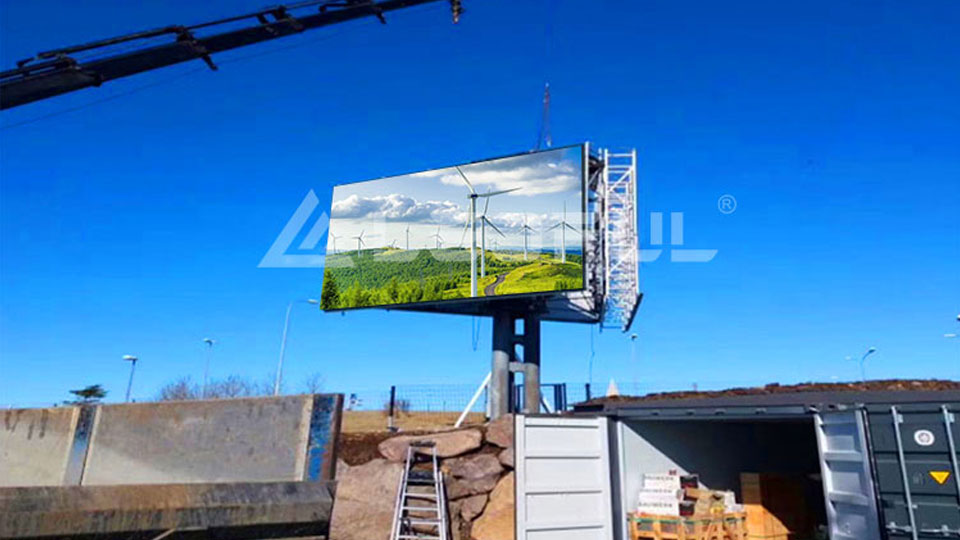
252 440
35 445
272 439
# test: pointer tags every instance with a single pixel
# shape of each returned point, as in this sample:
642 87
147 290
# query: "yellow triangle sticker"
940 477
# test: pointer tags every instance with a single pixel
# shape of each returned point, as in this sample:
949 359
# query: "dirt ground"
357 448
362 431
376 421
887 385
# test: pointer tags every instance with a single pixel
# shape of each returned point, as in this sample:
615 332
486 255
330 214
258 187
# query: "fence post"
393 399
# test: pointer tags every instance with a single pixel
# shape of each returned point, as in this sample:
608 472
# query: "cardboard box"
671 480
659 494
776 506
662 508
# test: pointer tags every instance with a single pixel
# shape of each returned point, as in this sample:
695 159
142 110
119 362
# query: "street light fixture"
206 368
283 345
133 365
863 360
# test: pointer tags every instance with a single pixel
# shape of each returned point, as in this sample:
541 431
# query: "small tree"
330 297
179 390
313 384
232 386
90 394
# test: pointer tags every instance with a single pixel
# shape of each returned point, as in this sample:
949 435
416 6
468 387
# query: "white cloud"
397 207
529 180
534 174
513 221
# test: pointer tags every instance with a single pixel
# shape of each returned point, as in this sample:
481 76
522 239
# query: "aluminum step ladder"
420 512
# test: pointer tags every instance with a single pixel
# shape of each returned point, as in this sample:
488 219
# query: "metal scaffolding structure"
620 237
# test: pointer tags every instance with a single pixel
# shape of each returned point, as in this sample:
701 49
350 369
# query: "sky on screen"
436 202
135 225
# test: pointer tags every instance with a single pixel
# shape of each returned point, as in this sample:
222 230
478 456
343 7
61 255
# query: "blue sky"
133 222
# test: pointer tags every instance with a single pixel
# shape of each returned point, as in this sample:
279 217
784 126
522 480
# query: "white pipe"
473 400
545 406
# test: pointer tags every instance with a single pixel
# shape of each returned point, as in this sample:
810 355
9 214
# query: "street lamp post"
133 366
863 360
953 335
206 368
283 346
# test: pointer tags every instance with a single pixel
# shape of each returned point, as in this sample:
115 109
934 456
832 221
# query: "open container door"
847 481
563 478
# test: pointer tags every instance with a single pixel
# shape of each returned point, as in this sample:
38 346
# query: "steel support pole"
499 391
531 364
133 366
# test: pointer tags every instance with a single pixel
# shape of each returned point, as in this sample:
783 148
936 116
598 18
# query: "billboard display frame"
475 305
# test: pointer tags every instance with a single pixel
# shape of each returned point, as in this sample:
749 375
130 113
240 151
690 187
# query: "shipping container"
838 465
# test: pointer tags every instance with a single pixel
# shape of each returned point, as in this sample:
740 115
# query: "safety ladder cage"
620 236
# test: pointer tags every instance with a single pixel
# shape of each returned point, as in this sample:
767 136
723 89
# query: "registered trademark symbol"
726 204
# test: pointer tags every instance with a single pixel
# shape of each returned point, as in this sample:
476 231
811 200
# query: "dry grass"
373 421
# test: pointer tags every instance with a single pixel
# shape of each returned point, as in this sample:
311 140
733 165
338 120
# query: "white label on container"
924 437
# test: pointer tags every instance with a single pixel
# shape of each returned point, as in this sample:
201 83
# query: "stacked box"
670 480
662 494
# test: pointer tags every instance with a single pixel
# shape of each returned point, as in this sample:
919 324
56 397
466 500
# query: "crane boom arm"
57 72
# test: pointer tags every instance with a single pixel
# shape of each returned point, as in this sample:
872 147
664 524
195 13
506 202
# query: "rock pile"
480 488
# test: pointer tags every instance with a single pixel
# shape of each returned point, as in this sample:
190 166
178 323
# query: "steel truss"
619 238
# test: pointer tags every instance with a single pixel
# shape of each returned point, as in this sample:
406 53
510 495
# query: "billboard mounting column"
504 362
500 366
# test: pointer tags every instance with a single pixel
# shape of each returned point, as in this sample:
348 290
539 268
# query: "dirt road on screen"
491 289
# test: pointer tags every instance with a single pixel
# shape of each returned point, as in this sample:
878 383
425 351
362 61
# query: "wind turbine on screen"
484 221
525 230
438 237
563 233
360 242
473 227
333 238
408 237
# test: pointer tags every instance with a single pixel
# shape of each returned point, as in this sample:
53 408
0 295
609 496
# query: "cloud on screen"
398 207
534 174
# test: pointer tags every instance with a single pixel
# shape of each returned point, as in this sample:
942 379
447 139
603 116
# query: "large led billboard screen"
408 239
